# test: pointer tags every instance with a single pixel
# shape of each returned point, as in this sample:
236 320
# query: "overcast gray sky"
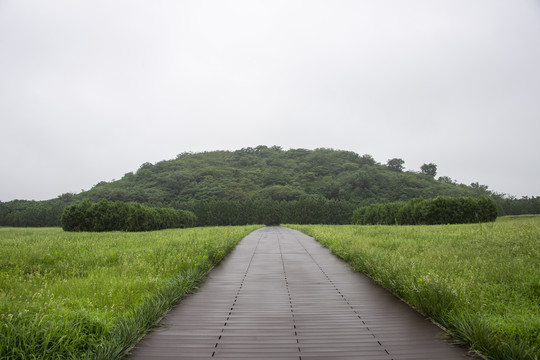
90 90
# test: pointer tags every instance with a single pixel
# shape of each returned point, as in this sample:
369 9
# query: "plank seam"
339 292
237 293
290 298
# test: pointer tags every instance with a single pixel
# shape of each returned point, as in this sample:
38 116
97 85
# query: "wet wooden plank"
281 295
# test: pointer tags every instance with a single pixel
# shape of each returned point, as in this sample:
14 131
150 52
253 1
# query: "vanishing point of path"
281 295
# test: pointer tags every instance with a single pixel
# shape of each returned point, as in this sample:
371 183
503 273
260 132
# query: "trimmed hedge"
441 210
121 216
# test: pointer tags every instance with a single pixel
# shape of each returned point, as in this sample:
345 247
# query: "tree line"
514 206
110 216
441 210
315 210
24 213
120 216
29 213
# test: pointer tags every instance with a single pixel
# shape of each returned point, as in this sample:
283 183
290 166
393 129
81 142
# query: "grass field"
480 281
91 295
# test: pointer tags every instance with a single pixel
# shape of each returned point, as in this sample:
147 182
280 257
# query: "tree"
481 189
366 159
445 180
429 169
395 164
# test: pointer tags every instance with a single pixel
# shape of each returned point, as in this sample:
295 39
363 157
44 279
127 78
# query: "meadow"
479 281
92 295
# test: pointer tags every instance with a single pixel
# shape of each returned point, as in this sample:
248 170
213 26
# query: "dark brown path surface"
281 295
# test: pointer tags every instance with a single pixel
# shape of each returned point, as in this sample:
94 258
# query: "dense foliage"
441 210
273 174
120 216
309 210
34 213
480 281
264 173
513 206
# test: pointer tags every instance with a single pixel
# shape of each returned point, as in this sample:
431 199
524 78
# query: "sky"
91 90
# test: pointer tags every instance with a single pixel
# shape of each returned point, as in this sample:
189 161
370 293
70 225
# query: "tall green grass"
480 281
92 295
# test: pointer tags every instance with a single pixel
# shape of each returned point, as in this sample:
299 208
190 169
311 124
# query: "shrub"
120 216
441 210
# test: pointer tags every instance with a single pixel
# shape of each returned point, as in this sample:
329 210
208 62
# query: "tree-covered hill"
273 173
261 173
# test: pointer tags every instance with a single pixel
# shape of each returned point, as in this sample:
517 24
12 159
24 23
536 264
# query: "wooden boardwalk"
281 295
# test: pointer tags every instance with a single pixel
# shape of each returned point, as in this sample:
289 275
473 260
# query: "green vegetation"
441 210
274 174
34 213
114 216
250 174
264 173
269 212
480 281
513 206
67 295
